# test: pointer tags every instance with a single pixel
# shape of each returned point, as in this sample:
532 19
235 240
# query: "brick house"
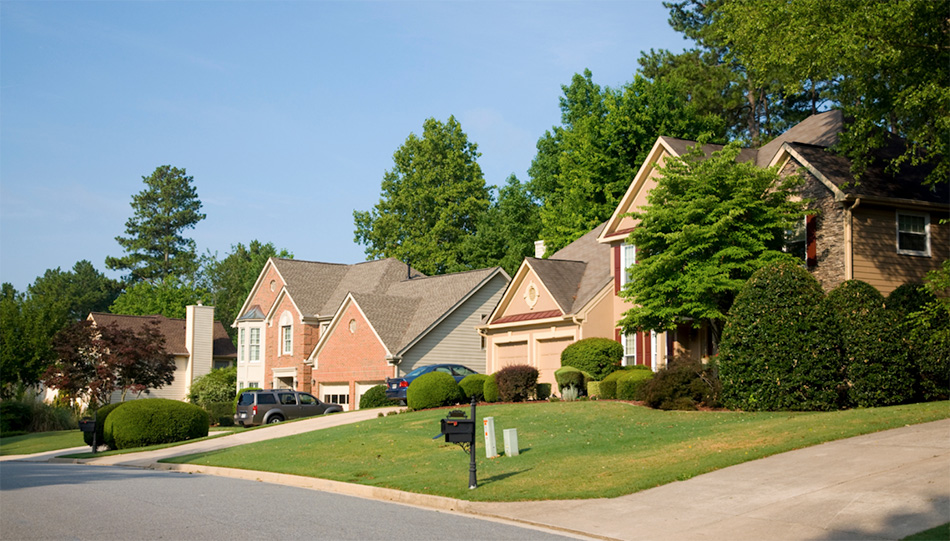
885 229
293 305
198 343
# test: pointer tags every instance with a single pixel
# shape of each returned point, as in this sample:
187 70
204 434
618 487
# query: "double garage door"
548 353
340 394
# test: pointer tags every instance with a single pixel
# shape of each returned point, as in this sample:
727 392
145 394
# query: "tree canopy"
431 201
507 231
169 297
583 167
155 248
708 225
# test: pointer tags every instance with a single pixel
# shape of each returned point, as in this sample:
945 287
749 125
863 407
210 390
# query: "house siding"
454 339
876 260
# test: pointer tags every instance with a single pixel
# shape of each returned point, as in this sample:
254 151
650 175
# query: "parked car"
276 405
396 387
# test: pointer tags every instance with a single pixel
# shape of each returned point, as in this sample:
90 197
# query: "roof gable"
173 329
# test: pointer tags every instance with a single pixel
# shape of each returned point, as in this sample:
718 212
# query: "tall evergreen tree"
155 247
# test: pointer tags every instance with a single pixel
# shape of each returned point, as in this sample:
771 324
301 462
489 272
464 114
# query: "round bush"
568 376
14 417
878 369
433 390
909 298
608 386
517 382
152 421
596 356
684 385
630 384
780 348
474 385
375 397
215 386
491 389
101 415
543 391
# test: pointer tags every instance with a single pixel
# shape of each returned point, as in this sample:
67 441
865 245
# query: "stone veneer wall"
829 269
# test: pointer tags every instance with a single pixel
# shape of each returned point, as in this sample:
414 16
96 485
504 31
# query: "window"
628 256
254 347
307 400
241 352
341 399
253 385
287 333
796 240
630 349
913 233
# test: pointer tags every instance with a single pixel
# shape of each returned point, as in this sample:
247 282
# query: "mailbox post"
461 430
89 425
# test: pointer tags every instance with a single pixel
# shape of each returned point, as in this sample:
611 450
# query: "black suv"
276 405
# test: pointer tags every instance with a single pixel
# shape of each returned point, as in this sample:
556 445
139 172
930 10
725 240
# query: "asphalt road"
65 502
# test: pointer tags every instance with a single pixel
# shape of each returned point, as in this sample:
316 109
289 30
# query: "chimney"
199 341
539 249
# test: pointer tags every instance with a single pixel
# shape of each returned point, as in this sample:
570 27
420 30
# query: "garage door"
336 394
510 353
361 389
549 358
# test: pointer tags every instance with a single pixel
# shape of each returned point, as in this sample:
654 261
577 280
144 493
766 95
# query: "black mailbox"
87 425
458 430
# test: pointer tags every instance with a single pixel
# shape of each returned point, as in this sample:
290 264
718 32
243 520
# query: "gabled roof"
404 311
819 130
172 329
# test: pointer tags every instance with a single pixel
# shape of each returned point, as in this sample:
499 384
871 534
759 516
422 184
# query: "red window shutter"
811 248
617 269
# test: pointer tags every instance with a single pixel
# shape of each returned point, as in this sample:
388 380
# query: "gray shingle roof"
576 273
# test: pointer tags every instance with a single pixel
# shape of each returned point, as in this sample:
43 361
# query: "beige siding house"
198 343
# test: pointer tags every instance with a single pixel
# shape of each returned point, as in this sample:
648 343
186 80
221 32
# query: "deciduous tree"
708 225
507 230
431 201
169 297
155 248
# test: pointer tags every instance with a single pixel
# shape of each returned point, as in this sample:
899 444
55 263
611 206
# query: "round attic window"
531 295
352 325
273 285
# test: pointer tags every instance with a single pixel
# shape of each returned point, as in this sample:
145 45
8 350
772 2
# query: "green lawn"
40 442
568 449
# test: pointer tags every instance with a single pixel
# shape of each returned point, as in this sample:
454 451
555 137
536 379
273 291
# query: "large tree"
169 298
584 166
93 362
708 225
155 247
30 319
431 201
507 230
230 279
886 64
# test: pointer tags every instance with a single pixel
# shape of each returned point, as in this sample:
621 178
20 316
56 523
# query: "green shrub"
608 386
568 376
242 391
490 388
14 417
101 415
598 357
909 298
473 385
220 413
685 385
925 327
593 389
375 397
215 386
433 390
153 421
780 348
517 382
543 391
878 370
630 384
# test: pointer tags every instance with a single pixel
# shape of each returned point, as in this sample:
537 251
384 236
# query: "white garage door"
361 389
336 394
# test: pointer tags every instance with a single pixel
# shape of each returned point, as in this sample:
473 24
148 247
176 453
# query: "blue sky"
286 114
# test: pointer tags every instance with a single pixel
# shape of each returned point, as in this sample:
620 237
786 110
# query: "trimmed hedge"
220 413
598 357
925 327
878 370
101 415
516 383
569 376
473 385
908 298
433 390
684 385
543 391
593 389
375 397
153 421
780 347
491 389
630 384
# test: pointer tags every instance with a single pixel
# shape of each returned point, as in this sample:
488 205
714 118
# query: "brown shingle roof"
577 272
172 329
